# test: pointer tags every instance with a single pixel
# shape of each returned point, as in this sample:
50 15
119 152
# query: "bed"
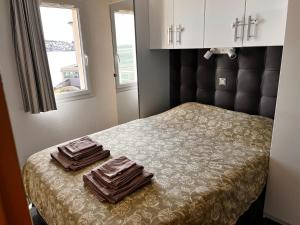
210 165
209 153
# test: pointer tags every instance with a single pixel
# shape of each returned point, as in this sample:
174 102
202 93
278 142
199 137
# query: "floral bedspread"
209 165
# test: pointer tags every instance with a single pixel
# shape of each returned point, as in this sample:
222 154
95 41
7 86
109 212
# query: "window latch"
86 60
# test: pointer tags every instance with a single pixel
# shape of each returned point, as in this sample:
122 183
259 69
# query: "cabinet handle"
179 30
170 35
236 25
250 23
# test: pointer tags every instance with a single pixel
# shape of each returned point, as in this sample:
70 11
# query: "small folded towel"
118 181
80 144
115 167
114 196
79 154
82 154
70 164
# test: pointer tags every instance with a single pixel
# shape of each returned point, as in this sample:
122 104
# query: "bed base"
254 215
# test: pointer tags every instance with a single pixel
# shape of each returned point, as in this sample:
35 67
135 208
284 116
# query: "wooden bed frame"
13 205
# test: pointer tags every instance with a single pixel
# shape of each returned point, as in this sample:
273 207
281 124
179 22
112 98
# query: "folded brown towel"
70 164
114 196
118 181
80 144
115 167
82 154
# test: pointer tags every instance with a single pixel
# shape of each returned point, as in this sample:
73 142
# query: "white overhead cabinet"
183 24
223 19
176 24
265 22
161 24
189 23
237 23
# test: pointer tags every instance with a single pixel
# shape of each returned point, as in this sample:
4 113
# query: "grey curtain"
33 68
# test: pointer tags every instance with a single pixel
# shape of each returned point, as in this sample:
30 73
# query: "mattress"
209 165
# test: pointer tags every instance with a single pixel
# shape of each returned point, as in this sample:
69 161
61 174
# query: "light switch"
222 81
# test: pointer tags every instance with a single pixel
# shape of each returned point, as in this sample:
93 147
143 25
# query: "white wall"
128 105
153 67
283 192
72 119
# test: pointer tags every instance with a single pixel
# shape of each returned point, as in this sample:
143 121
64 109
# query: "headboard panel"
251 79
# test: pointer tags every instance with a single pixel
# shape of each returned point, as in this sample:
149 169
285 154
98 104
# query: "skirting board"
275 219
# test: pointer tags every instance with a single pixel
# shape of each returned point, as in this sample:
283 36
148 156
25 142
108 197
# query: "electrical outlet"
222 81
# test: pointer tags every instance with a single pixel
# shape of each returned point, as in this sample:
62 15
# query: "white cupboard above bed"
176 24
237 23
219 19
268 18
161 23
216 23
189 23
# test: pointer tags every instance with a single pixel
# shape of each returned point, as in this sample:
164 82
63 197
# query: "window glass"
126 52
64 49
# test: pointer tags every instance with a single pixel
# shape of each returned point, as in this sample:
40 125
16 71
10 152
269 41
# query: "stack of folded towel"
116 179
79 154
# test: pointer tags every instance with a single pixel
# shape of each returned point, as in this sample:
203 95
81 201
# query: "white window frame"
119 87
75 95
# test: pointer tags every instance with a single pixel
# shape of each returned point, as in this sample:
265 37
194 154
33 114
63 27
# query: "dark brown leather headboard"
251 79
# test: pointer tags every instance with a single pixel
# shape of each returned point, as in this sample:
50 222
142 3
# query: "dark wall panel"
251 79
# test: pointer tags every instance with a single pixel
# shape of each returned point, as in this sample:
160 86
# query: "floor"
37 219
268 222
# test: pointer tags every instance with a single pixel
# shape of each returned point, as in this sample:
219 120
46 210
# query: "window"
124 47
64 48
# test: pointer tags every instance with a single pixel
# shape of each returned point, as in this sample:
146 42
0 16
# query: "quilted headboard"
250 84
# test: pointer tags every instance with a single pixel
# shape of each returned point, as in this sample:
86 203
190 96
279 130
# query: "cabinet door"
269 28
161 24
220 15
189 23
